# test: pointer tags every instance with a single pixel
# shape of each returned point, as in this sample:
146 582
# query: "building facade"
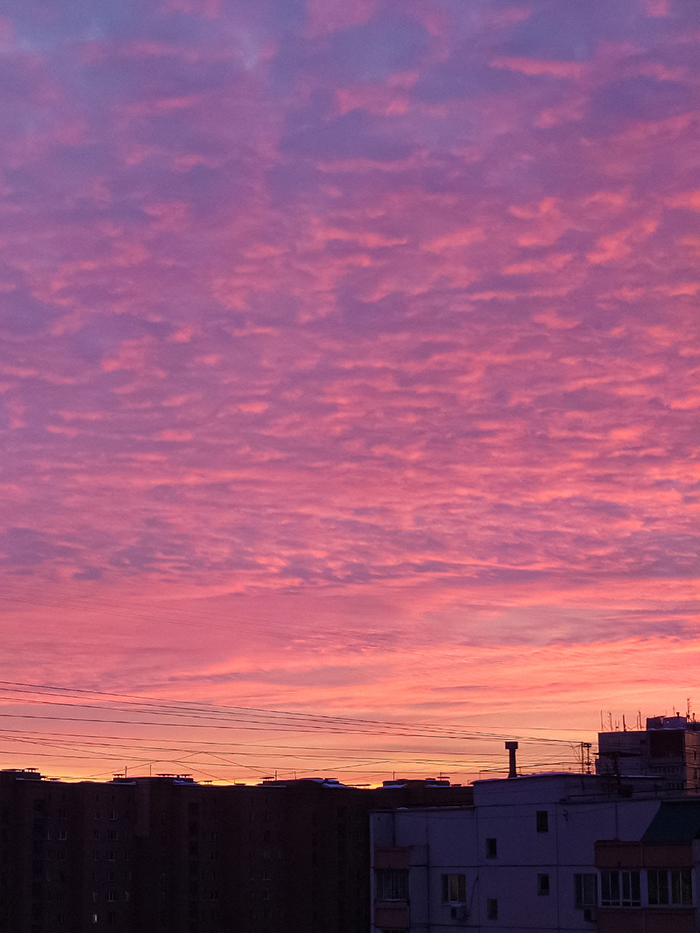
668 749
168 855
559 852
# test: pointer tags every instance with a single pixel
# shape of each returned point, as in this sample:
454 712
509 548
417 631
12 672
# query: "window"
543 884
542 821
491 908
62 835
620 889
391 884
585 891
454 889
673 887
491 848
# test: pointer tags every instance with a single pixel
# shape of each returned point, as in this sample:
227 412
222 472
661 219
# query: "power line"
282 720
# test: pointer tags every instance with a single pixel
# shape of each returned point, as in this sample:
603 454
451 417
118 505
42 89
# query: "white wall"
445 841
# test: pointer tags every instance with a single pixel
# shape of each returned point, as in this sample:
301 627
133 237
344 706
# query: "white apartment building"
558 851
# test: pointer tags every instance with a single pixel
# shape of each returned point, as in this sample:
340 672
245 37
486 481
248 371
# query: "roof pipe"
512 768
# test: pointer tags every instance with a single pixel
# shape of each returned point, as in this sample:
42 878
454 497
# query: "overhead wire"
159 713
284 719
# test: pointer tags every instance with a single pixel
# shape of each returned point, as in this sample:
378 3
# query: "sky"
349 367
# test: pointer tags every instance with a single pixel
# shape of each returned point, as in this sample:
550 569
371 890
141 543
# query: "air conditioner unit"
590 914
459 913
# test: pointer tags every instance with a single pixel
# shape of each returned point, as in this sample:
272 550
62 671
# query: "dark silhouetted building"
668 749
168 855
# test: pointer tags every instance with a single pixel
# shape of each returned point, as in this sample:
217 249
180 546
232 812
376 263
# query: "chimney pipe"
512 769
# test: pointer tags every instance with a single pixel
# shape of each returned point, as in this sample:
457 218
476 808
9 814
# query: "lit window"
620 889
454 889
673 888
391 884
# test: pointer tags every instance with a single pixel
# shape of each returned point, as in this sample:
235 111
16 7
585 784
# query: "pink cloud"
532 66
361 341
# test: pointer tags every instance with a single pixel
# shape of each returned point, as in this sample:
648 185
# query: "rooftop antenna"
624 724
639 720
610 722
602 724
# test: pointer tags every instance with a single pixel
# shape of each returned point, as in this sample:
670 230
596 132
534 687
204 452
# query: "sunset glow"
349 366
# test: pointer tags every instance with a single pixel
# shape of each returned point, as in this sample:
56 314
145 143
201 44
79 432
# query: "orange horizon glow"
349 366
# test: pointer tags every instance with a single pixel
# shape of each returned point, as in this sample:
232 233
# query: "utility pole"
586 765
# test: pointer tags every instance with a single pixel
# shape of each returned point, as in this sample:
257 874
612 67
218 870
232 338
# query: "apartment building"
668 749
165 854
560 852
